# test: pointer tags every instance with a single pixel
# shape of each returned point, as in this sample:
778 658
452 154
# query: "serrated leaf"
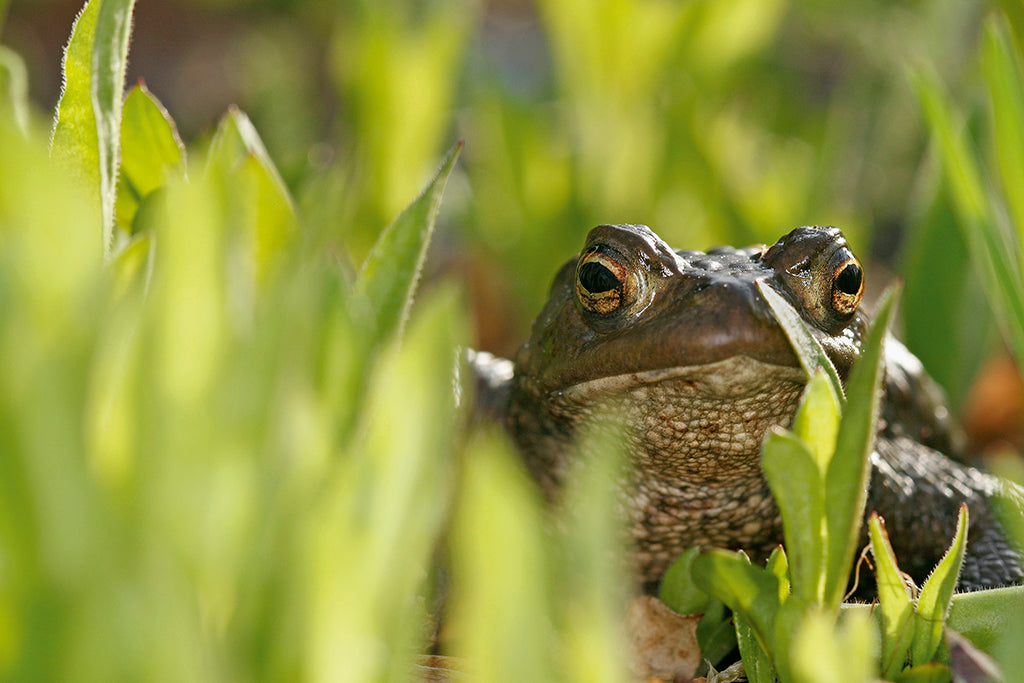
151 153
936 594
109 63
86 133
746 589
895 607
74 142
796 483
809 350
847 478
390 273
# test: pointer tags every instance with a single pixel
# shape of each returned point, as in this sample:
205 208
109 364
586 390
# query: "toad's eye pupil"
596 278
849 279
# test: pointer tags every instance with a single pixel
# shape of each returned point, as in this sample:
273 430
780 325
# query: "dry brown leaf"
663 644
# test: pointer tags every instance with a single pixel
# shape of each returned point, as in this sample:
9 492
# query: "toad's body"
689 355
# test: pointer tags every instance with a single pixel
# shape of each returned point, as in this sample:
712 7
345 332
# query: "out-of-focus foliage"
224 454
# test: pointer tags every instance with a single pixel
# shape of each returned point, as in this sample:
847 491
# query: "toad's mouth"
731 378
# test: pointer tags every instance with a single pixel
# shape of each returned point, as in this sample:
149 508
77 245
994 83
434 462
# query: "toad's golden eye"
847 287
603 284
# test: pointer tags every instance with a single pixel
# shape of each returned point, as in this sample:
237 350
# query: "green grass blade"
109 63
936 594
1006 91
808 349
13 87
895 607
390 273
796 483
847 476
151 153
995 254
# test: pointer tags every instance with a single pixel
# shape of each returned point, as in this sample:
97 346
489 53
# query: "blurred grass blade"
796 482
895 607
847 476
390 273
255 197
1006 91
996 255
936 593
151 153
810 352
500 570
109 62
827 650
13 86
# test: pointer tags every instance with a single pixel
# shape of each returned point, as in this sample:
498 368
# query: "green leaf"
746 589
388 279
933 672
936 594
256 198
151 153
847 477
13 86
756 661
677 589
824 650
715 632
796 482
895 607
109 62
778 565
808 349
74 142
87 124
817 420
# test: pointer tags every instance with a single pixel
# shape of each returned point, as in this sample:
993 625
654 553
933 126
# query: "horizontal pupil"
596 278
849 279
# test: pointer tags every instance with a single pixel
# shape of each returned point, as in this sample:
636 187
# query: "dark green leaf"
677 589
756 661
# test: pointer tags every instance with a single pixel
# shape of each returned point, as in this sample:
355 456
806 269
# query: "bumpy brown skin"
691 359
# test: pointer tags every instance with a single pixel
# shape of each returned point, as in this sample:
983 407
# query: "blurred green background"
200 472
713 121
